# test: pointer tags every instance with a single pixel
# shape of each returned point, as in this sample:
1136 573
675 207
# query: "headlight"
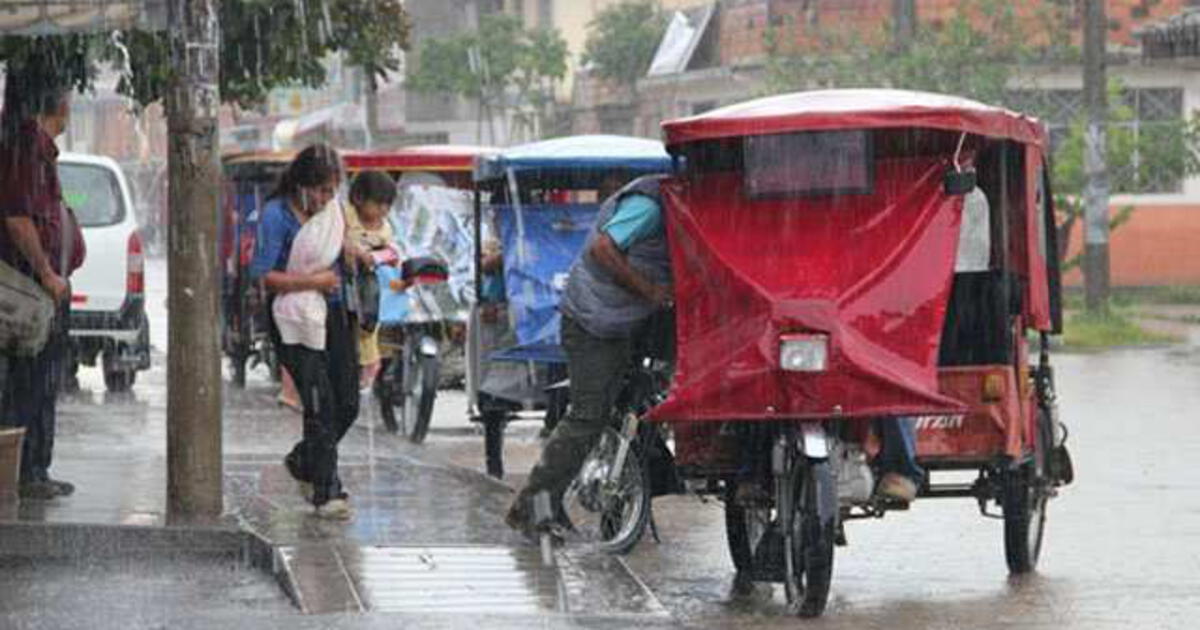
803 353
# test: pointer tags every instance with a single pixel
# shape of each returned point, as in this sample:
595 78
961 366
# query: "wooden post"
193 351
1095 160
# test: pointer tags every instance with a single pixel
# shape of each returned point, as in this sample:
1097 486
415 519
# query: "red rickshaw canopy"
855 109
434 157
870 271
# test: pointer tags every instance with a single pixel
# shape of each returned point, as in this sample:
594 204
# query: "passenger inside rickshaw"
985 295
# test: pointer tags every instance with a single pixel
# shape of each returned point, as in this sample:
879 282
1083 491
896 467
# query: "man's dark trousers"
596 367
30 396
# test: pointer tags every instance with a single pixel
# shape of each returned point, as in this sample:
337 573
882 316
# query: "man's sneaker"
897 487
64 488
335 510
38 490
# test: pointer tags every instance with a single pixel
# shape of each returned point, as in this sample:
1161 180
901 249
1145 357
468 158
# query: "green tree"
978 53
622 40
514 69
986 52
1161 149
265 44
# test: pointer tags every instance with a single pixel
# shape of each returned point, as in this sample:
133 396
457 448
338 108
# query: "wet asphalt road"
1122 547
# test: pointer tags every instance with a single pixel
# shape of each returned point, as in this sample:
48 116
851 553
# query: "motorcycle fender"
429 346
827 499
815 443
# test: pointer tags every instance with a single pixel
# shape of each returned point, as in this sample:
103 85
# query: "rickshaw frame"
995 417
572 163
454 163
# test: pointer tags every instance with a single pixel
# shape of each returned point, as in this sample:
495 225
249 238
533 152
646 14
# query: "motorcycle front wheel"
612 514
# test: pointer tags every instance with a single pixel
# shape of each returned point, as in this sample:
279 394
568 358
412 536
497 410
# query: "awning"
679 43
57 17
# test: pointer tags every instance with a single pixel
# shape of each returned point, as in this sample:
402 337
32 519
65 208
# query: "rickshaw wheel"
421 379
808 542
384 391
1024 498
745 529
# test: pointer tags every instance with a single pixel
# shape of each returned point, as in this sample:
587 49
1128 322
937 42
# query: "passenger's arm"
605 251
23 233
289 282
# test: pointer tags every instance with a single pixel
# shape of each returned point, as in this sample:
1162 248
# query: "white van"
108 305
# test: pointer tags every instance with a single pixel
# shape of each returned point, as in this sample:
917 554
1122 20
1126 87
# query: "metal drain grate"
457 579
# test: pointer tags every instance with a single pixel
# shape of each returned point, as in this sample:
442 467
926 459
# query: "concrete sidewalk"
427 537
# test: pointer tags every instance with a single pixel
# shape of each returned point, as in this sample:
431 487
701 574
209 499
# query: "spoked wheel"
808 538
746 527
612 514
1024 495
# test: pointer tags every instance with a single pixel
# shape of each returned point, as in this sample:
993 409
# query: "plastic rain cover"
871 271
432 221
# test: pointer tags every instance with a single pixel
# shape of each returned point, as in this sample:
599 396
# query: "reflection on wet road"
1122 545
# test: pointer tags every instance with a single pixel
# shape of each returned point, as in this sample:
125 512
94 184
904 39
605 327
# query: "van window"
93 193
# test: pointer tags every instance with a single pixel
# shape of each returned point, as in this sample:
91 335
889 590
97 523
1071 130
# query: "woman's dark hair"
315 165
373 186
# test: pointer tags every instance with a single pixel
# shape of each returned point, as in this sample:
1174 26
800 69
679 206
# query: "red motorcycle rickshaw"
815 238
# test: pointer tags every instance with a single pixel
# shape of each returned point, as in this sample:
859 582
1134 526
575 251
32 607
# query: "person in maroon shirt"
41 238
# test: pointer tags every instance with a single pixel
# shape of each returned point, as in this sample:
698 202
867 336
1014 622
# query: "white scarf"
300 315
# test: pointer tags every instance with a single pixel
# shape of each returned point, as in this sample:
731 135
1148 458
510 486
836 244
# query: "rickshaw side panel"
993 424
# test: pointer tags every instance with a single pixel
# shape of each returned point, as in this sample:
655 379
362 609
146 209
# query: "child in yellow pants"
367 232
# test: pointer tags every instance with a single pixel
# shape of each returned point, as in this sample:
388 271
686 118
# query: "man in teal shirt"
621 279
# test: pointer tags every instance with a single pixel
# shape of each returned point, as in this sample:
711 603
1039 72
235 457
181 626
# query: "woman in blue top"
327 379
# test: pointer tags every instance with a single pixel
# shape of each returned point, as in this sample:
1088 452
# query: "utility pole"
904 23
193 355
1095 161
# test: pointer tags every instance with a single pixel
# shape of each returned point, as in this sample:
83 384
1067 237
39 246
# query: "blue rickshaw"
541 201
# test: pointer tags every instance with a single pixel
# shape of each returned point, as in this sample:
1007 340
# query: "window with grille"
1153 126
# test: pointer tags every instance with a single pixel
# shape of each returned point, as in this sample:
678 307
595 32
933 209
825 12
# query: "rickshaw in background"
432 221
815 241
542 201
249 179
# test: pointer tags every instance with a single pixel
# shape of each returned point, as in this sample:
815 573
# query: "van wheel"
117 380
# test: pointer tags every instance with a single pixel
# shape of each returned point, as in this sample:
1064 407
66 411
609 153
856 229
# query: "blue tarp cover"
535 268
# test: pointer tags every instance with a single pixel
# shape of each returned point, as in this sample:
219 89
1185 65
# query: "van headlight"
803 352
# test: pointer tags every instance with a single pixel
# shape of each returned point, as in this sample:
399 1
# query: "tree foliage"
1169 147
264 44
517 69
986 52
622 40
978 52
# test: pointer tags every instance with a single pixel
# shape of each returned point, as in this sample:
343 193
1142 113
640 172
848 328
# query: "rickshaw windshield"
808 163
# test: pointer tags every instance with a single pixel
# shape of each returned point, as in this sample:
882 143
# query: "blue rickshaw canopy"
575 161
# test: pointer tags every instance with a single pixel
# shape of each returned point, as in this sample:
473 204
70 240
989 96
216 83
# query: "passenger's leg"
898 459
